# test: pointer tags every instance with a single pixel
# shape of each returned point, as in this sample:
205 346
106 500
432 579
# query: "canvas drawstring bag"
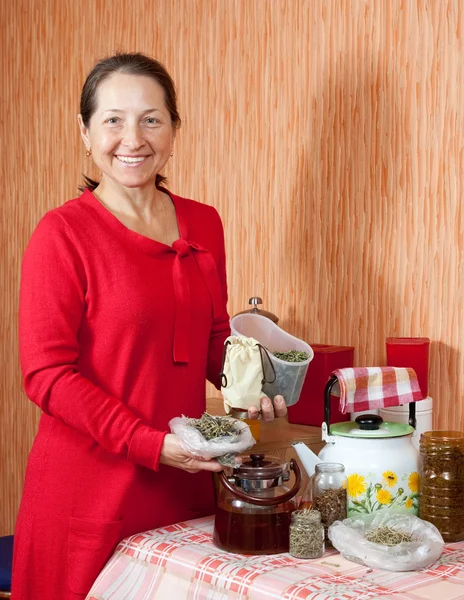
242 376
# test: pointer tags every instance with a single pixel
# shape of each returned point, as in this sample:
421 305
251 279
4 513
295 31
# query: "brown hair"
132 64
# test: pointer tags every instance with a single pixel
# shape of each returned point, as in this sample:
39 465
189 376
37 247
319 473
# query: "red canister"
412 352
309 410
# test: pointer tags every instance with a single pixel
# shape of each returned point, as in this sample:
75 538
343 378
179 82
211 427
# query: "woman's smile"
131 134
131 161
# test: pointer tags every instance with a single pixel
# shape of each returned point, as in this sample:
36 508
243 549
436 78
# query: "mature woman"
122 317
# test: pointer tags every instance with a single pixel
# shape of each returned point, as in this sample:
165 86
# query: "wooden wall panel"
329 135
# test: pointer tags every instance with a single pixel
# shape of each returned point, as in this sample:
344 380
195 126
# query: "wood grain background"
329 135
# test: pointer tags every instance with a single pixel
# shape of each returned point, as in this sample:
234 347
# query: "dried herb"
306 534
444 466
214 427
442 487
292 355
331 503
387 536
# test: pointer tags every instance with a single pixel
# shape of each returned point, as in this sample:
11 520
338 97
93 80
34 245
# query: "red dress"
118 334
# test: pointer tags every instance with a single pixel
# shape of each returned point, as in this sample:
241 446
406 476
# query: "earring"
89 152
172 154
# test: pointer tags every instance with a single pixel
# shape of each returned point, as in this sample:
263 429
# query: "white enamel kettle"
381 462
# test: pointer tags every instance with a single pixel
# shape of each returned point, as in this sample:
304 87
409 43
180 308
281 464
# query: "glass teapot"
254 507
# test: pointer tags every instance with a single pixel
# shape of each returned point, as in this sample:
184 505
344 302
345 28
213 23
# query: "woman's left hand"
269 410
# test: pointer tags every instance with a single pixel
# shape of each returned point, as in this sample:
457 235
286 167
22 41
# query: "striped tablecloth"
180 562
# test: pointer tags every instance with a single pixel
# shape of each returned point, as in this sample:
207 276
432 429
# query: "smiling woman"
132 143
128 123
123 315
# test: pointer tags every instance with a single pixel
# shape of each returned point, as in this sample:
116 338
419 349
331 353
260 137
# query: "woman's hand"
174 455
269 411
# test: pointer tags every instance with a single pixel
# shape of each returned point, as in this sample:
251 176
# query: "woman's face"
130 133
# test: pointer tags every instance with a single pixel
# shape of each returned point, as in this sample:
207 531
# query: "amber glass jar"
253 424
442 482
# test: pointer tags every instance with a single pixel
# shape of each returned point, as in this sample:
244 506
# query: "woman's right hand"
173 455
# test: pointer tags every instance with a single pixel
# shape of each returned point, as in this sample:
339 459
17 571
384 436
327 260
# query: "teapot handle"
327 391
265 501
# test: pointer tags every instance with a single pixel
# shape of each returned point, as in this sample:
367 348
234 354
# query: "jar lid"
239 413
306 516
443 435
260 467
408 341
330 467
442 438
255 301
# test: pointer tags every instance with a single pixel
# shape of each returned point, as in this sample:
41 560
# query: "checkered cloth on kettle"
366 388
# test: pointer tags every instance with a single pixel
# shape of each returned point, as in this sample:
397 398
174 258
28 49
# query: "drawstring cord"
262 350
222 375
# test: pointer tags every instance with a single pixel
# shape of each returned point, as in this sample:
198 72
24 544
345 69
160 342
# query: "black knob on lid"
261 467
369 422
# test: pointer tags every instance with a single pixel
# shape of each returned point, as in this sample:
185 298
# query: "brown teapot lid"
260 467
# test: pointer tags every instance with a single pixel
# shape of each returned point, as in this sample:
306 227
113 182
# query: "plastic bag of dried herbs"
387 540
211 436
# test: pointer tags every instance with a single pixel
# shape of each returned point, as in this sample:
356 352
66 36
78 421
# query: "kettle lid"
370 426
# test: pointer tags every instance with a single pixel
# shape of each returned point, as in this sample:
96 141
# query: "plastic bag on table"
224 448
349 538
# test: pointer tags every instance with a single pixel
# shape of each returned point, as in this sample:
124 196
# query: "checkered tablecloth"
180 562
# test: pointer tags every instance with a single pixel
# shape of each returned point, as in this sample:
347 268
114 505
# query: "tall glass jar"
442 482
306 534
329 493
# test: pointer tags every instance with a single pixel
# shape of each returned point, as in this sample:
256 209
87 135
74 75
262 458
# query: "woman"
122 317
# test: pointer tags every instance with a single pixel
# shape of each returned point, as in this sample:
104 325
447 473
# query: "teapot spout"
308 459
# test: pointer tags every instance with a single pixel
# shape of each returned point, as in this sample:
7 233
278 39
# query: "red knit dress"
117 336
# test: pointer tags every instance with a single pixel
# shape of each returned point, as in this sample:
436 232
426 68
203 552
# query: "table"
180 562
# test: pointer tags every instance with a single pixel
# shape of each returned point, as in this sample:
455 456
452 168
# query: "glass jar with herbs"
442 482
329 493
306 534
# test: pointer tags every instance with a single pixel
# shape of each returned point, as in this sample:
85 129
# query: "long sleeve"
221 325
103 310
52 305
